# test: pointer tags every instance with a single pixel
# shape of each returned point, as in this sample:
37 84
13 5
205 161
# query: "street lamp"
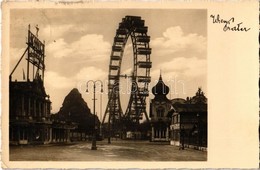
101 116
94 147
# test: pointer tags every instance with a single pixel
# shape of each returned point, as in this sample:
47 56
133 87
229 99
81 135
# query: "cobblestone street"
116 151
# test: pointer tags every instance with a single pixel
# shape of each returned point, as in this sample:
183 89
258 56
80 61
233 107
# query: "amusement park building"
178 121
189 121
160 106
30 121
29 105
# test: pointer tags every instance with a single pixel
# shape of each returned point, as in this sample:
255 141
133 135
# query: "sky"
78 45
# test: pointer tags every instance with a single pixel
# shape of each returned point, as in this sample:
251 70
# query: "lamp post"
101 116
109 130
94 147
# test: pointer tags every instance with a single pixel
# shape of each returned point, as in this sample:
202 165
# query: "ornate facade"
29 119
159 108
29 113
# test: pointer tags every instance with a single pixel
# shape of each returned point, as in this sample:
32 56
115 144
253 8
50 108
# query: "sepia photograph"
110 85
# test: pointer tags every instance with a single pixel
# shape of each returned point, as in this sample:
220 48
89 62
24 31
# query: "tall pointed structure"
159 108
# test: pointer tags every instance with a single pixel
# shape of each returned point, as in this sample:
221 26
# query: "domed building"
159 108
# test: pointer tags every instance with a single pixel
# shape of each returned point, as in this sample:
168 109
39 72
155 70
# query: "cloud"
90 73
182 75
57 85
181 56
52 32
188 67
16 53
55 81
174 40
60 85
56 31
73 63
91 47
59 49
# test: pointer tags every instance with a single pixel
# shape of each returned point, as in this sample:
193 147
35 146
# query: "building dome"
160 88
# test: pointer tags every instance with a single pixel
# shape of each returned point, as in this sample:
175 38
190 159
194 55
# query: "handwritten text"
229 25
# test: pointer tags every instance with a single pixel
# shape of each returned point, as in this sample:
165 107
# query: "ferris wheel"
132 27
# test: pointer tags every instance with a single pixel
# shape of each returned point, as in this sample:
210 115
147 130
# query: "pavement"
118 150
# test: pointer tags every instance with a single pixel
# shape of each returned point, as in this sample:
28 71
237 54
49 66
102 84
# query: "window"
160 111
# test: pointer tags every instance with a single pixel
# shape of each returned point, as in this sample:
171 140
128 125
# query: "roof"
178 101
35 87
190 107
160 90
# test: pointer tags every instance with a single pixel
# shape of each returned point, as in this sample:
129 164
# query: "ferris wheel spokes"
134 27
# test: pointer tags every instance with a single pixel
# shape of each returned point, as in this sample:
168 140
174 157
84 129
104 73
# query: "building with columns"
30 106
29 118
29 113
159 108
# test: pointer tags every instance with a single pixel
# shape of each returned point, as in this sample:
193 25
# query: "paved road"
116 151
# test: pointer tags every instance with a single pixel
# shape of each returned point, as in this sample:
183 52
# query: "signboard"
36 51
